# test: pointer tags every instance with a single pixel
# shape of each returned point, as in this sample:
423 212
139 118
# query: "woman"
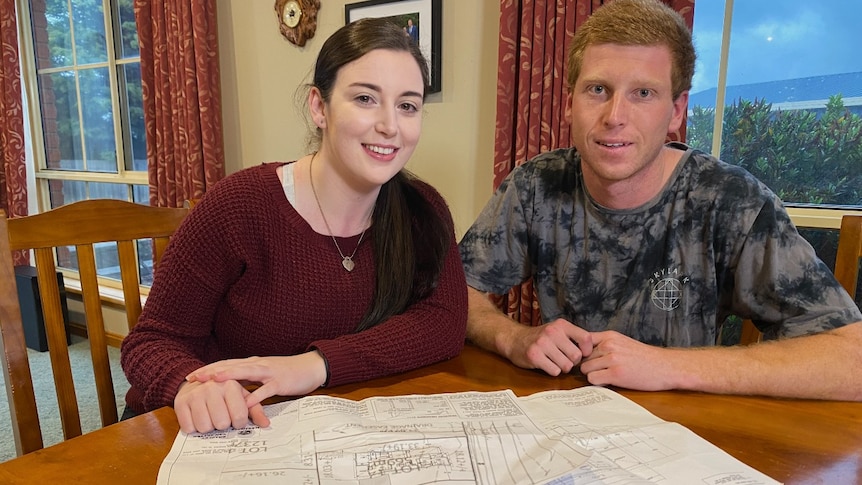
336 268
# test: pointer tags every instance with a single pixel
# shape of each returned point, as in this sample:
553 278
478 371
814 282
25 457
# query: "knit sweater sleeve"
174 334
429 331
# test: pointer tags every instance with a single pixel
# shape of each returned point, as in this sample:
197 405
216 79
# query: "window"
83 81
782 81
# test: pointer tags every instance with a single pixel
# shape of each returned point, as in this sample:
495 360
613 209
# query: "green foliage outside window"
802 157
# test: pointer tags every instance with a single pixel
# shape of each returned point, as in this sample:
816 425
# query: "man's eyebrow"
644 81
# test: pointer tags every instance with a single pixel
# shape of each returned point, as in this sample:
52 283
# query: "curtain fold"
181 97
13 176
531 97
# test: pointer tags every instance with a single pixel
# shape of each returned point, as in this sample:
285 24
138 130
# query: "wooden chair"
80 224
846 269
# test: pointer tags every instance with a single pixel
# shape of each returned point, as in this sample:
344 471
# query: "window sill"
108 294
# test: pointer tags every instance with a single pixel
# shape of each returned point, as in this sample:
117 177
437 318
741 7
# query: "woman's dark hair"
410 237
356 39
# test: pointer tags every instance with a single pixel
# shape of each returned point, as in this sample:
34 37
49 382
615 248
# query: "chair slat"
749 333
96 333
131 281
159 246
55 331
849 252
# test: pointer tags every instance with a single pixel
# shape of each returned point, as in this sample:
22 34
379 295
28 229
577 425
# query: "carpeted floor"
46 400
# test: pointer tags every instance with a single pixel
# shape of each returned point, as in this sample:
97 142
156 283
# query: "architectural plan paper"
586 435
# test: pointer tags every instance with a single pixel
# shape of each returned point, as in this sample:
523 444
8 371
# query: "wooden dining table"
793 441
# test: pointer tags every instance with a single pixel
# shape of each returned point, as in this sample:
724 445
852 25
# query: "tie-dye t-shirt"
714 242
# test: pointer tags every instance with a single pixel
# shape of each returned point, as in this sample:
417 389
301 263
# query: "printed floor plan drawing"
588 435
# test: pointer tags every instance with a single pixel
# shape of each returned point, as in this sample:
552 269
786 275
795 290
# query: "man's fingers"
581 340
549 358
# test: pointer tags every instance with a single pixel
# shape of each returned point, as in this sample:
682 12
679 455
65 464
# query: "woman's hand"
205 406
293 375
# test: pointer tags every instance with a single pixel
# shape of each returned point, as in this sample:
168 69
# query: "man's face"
621 109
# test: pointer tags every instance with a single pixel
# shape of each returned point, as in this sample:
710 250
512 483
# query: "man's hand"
555 348
621 361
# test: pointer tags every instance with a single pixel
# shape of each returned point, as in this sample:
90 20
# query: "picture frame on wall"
420 19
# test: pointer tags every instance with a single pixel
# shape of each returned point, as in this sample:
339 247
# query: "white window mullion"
722 79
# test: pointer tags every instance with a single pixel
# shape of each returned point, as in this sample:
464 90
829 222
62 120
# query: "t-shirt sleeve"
495 250
782 285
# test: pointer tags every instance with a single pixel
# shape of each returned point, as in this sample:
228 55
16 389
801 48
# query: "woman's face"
372 121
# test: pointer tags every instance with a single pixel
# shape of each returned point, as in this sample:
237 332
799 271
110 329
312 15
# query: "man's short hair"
637 23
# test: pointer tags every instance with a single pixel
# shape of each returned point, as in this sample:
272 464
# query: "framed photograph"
420 19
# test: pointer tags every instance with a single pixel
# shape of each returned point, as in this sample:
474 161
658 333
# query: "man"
639 250
412 31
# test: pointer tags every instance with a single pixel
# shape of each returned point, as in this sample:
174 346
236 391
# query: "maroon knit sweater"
245 275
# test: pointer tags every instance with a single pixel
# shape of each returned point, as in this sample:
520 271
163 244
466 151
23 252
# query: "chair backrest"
846 268
80 224
849 252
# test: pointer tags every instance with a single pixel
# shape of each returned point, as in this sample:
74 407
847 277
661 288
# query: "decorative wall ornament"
297 19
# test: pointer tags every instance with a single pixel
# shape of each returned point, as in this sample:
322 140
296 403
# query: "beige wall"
260 72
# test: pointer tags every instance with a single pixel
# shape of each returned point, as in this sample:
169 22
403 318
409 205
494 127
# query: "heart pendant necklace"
346 261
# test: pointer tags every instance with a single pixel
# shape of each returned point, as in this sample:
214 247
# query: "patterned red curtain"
13 176
531 95
182 98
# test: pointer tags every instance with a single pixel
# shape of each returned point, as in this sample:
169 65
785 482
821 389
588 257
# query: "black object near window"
31 307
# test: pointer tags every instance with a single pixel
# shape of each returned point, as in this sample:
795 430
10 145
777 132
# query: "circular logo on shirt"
666 294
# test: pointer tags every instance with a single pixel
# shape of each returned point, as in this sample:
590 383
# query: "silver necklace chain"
346 261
